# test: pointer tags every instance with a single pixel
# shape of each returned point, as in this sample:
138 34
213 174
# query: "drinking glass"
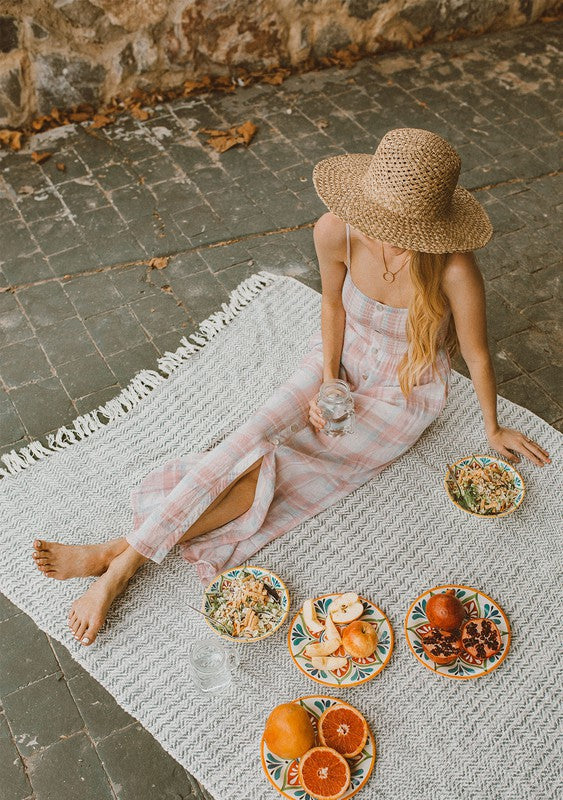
337 407
212 665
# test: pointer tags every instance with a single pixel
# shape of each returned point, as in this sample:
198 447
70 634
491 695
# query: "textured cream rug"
396 536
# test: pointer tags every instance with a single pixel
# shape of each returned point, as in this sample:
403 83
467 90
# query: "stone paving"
84 312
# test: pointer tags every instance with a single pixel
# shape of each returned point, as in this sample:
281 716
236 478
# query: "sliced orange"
324 773
344 729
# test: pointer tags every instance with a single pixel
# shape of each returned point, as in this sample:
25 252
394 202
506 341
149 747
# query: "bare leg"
62 561
88 613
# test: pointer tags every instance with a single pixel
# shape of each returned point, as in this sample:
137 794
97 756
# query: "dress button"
364 376
275 440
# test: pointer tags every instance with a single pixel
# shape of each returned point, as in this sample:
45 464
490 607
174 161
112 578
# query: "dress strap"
348 245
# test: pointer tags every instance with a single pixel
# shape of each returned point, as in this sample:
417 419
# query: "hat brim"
339 183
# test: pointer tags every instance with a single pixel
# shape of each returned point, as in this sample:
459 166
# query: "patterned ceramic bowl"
224 580
358 670
283 773
477 606
485 461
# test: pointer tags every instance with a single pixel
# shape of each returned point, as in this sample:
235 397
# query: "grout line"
145 261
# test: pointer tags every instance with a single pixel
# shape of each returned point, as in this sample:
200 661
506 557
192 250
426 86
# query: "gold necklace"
387 272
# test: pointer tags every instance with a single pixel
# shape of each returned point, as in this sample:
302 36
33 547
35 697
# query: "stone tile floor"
81 312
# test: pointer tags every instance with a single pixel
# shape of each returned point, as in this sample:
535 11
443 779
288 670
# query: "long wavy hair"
427 330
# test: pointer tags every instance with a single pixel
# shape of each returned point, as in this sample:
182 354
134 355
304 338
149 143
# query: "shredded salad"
244 607
483 488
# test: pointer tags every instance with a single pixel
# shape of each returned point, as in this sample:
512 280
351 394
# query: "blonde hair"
427 331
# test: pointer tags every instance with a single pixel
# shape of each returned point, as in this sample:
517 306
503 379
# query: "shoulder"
461 274
330 233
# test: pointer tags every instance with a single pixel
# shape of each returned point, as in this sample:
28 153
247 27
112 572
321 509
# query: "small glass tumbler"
212 665
337 407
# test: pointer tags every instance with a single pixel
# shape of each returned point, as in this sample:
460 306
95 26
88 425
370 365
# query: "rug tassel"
141 385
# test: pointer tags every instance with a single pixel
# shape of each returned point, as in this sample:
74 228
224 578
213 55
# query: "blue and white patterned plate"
358 670
223 580
485 461
283 773
477 606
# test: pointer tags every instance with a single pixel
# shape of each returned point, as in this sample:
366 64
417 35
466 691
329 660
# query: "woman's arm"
330 243
464 288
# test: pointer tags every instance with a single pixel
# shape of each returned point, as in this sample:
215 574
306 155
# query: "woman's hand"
315 416
506 440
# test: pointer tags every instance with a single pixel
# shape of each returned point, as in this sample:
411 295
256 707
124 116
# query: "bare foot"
62 561
88 612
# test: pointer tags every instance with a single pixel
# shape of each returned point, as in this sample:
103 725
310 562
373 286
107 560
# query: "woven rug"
390 540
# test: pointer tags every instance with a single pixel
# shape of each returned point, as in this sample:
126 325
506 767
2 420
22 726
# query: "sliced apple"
324 648
330 662
332 631
346 608
310 617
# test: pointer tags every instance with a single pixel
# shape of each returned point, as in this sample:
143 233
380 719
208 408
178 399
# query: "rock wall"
59 53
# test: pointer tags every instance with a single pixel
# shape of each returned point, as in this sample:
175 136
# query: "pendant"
391 277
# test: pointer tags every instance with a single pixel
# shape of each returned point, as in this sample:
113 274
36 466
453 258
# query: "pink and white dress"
303 471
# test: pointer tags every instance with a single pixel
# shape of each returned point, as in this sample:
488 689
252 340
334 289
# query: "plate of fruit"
484 486
340 639
457 631
246 604
317 748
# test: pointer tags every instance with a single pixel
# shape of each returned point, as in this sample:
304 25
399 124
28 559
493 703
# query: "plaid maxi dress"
303 471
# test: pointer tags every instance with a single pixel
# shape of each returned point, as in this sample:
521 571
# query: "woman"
399 281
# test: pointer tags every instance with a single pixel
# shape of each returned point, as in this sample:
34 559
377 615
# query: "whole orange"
289 732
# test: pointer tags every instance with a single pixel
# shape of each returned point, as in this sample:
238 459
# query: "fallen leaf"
166 288
141 179
237 134
10 138
60 166
39 158
159 263
25 190
322 123
79 116
139 113
101 120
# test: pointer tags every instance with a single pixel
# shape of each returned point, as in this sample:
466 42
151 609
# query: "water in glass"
211 665
337 407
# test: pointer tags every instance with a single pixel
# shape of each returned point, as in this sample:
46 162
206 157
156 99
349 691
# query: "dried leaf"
166 288
237 134
12 139
322 123
139 113
79 116
101 120
39 123
39 158
60 166
159 263
25 190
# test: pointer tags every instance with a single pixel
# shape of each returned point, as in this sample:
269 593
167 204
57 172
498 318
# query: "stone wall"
58 53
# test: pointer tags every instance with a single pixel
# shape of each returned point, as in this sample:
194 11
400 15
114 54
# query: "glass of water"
337 407
212 665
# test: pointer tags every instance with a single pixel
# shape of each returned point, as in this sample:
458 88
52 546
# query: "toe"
81 630
89 636
38 544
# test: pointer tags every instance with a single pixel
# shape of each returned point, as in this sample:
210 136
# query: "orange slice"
324 773
344 729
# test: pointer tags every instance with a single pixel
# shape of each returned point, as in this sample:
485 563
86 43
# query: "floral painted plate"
358 670
224 580
477 605
283 773
485 461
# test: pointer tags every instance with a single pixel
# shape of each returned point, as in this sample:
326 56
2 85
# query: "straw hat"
405 194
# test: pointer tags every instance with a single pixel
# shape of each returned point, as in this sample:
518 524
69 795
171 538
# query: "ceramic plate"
283 773
223 581
484 461
477 605
358 670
